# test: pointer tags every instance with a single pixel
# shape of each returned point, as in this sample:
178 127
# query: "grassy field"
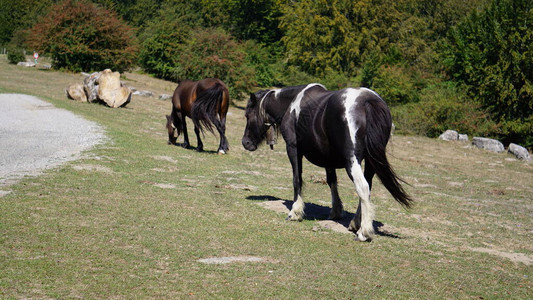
135 216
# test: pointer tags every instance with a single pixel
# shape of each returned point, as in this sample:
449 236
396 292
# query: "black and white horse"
333 130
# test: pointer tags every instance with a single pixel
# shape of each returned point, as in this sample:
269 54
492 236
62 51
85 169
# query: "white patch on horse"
295 105
276 92
366 208
350 100
297 211
369 90
262 110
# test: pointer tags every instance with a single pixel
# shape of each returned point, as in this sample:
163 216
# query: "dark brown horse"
206 102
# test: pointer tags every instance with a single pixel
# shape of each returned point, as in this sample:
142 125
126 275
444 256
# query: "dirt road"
34 135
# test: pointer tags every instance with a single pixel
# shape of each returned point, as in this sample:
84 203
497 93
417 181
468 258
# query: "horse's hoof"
221 152
352 227
361 238
291 217
336 216
200 149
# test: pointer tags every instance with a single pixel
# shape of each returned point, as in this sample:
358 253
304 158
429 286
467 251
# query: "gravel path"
34 135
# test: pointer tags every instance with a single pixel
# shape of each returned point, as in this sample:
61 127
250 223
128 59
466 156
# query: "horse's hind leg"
200 144
221 128
362 223
336 203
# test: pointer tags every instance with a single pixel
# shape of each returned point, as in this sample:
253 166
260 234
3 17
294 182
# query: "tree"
80 36
214 53
136 12
319 36
491 53
20 14
256 20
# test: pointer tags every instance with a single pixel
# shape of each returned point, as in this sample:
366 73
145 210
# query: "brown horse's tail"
204 109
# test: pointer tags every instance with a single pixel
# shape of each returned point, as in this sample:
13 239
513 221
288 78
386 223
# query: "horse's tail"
205 107
378 129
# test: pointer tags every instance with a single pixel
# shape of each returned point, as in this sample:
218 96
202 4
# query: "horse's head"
257 122
171 130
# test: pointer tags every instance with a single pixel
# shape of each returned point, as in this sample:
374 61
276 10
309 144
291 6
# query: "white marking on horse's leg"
297 211
221 151
366 209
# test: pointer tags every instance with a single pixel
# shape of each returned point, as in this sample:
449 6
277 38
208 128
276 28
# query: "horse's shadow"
319 212
181 145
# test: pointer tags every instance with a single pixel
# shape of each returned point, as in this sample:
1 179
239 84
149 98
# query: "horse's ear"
253 97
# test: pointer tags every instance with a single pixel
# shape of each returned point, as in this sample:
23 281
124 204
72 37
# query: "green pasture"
133 218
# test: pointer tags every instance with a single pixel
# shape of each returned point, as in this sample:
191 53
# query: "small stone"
164 97
463 138
449 135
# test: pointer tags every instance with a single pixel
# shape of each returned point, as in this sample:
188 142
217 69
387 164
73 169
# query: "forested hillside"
440 64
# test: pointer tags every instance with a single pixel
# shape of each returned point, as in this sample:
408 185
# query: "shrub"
80 36
160 48
263 60
292 75
443 107
214 53
395 85
15 55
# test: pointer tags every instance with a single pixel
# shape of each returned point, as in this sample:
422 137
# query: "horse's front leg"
336 203
200 144
362 223
186 143
297 211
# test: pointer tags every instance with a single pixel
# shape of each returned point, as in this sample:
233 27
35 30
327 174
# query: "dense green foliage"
19 14
491 52
15 55
214 53
464 65
81 36
442 107
175 47
245 19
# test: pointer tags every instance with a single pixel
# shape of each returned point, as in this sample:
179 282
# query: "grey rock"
449 135
90 85
26 64
519 151
143 93
488 144
164 97
463 138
